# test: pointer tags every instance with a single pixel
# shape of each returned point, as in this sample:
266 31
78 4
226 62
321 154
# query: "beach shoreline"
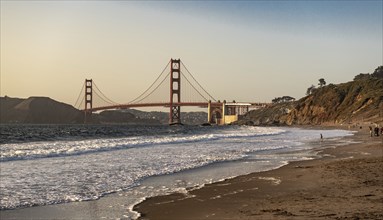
114 206
345 182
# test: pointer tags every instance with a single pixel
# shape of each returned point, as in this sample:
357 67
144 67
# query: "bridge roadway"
167 104
159 104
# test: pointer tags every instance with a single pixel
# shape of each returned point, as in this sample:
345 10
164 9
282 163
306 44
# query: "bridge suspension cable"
157 93
155 81
103 96
194 87
208 94
77 103
155 88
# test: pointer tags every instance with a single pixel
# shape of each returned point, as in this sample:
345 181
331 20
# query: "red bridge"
218 112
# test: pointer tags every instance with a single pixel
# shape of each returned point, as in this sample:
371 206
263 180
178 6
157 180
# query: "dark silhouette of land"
44 110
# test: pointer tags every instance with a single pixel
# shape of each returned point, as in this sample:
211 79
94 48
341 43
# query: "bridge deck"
167 104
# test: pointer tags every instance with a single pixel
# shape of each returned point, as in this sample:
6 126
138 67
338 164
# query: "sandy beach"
345 183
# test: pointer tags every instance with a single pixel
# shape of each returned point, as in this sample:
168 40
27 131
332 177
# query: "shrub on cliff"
355 101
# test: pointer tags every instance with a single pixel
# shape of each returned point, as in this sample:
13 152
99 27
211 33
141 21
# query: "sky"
251 51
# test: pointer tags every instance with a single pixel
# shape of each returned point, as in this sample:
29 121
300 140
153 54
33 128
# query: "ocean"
53 164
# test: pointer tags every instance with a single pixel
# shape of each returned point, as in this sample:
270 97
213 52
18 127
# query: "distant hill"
121 117
360 100
44 110
37 110
190 118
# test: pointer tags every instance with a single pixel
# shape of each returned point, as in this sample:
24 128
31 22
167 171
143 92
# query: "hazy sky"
242 50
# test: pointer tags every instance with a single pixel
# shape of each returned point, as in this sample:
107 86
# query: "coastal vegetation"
357 101
283 99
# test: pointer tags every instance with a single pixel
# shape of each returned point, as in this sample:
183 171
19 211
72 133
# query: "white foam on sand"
117 167
274 181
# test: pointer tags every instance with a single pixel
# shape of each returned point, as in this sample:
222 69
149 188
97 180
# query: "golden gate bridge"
161 93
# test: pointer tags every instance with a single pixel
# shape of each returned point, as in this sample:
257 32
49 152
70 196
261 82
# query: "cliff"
360 100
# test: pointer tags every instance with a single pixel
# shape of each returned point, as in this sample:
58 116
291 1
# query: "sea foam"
50 172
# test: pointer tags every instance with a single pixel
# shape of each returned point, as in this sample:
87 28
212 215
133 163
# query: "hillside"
37 110
360 100
44 110
121 117
189 118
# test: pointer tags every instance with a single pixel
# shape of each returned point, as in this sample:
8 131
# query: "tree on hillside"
310 90
362 76
378 73
322 82
283 99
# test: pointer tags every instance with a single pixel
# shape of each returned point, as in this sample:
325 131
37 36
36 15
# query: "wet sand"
346 183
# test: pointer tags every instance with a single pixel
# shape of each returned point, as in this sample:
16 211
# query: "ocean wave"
89 176
35 150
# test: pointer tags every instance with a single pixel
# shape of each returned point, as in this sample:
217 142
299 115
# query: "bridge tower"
175 92
88 99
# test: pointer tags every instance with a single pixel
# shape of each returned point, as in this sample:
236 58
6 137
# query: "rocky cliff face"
355 101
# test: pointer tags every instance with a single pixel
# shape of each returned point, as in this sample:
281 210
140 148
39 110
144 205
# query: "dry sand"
346 183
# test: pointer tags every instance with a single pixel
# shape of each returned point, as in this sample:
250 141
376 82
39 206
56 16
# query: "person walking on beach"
370 130
321 137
